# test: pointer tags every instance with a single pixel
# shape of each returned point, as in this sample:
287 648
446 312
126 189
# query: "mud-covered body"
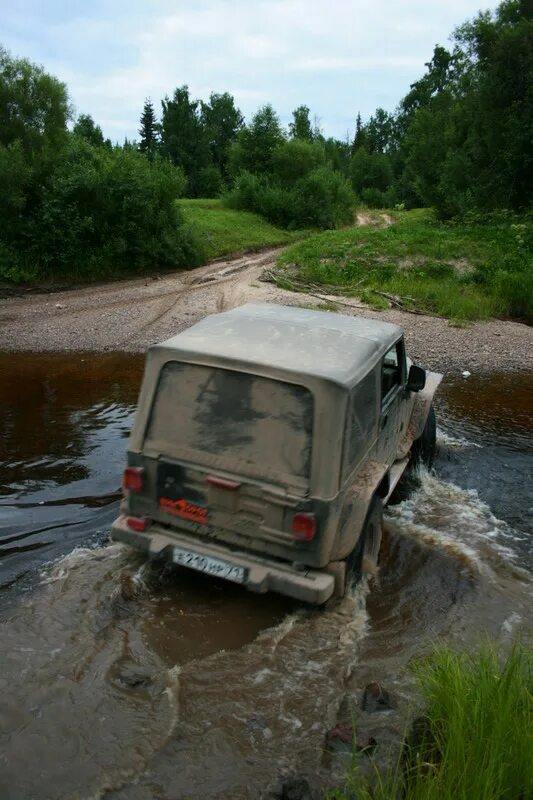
256 415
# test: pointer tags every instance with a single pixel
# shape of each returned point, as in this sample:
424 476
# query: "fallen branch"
335 301
396 300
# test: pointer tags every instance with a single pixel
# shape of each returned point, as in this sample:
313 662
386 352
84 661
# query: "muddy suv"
267 441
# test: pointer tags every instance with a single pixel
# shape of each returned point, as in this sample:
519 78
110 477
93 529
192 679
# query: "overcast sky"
337 57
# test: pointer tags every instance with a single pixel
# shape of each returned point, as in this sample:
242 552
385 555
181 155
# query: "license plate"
212 566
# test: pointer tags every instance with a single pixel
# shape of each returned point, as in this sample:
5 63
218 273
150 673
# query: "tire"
424 448
364 558
423 452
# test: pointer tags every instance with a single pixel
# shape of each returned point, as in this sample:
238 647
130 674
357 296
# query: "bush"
295 159
97 212
209 183
321 199
373 198
370 171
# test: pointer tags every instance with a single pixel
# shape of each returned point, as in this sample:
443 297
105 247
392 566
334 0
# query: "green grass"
478 740
222 231
456 271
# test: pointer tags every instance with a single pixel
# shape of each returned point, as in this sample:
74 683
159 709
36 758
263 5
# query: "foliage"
34 106
183 136
221 231
475 739
469 121
93 212
459 271
300 127
370 170
149 131
257 142
319 199
222 122
323 199
295 159
87 128
209 182
461 137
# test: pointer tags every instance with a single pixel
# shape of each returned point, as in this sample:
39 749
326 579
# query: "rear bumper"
310 586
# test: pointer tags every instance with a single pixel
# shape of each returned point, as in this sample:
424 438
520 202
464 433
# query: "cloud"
338 58
335 63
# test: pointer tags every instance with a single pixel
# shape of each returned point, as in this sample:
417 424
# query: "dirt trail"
131 315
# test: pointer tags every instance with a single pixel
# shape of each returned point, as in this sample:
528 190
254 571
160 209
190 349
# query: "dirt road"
131 315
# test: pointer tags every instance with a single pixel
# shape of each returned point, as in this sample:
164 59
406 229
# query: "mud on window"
249 422
361 421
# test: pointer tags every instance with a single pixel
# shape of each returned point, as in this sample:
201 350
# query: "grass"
456 271
478 739
223 231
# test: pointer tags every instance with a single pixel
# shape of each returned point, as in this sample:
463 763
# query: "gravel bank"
133 314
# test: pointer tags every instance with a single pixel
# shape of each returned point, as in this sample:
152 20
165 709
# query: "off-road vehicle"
266 442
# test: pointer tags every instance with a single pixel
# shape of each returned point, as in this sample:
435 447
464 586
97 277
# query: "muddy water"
123 680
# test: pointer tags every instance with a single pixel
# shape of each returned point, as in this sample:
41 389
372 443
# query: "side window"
361 421
392 370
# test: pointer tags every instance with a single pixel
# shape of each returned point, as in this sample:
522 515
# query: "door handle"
384 421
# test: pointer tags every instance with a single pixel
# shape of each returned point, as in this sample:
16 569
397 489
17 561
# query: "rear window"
258 425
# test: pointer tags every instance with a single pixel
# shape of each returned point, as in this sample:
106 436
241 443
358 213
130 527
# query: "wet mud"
126 679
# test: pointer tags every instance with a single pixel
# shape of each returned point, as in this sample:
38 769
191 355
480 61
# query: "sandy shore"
133 314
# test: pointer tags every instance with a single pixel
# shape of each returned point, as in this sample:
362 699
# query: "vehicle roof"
297 340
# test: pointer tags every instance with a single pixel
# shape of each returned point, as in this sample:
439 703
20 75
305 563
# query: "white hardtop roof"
297 340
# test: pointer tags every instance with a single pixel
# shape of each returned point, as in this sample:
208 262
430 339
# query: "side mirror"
416 379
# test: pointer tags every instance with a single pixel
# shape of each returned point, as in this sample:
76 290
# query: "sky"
336 56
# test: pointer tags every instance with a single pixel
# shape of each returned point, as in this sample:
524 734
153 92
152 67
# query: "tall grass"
221 231
476 738
464 272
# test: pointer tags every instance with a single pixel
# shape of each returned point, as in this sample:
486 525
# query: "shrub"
262 196
209 183
98 212
295 159
373 198
323 199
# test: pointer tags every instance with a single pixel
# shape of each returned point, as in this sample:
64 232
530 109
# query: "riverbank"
131 315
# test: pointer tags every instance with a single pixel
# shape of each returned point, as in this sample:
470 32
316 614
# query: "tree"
184 138
149 131
257 142
34 106
465 128
360 134
380 132
370 171
295 159
300 127
222 122
86 128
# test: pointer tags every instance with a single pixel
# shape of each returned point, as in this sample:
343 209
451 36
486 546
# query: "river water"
123 680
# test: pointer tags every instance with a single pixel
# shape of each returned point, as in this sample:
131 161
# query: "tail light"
133 479
303 526
138 524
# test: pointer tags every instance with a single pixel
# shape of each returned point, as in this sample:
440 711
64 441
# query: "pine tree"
360 134
149 131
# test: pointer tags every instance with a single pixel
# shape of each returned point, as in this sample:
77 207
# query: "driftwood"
315 290
335 301
396 300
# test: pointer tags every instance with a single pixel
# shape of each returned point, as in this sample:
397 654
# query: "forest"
459 142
